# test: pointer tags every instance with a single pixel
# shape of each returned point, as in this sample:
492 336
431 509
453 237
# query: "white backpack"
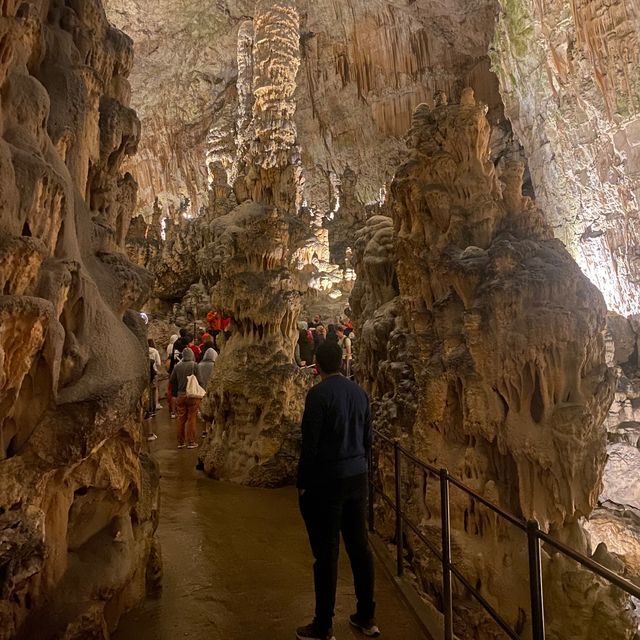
194 390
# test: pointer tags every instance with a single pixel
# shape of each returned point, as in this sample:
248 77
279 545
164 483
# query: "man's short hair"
339 327
329 357
183 332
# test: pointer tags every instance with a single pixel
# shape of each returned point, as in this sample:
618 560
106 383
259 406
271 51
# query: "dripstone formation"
255 438
488 358
78 495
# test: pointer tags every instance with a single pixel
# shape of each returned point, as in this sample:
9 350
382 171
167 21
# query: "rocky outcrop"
257 393
78 494
504 338
584 78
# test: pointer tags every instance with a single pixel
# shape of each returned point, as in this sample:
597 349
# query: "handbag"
194 390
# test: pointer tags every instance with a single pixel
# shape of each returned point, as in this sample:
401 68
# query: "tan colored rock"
78 498
569 79
257 392
505 341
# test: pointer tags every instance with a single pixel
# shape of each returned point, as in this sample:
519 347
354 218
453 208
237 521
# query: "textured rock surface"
504 338
570 79
257 393
77 492
365 64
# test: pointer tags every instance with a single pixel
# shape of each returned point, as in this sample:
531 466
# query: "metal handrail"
534 538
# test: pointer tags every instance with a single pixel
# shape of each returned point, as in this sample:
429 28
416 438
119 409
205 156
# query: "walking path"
237 565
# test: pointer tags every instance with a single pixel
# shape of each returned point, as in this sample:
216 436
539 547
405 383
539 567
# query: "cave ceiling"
358 84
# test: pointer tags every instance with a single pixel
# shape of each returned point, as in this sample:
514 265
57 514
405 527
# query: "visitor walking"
347 354
155 367
205 368
331 333
187 408
305 344
319 336
333 489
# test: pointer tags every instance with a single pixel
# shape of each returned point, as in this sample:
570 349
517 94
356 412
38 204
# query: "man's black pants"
340 506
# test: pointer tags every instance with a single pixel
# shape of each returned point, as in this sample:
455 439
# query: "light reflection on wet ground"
237 564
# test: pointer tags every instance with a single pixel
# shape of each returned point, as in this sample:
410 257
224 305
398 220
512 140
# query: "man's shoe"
313 632
182 446
153 436
192 445
368 627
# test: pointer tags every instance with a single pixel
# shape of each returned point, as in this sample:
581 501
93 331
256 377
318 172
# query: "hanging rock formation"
78 503
257 393
504 338
583 78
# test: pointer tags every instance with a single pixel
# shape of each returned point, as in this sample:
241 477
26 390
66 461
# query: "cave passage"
237 563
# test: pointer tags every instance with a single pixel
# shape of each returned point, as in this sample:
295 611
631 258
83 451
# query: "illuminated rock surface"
78 494
498 338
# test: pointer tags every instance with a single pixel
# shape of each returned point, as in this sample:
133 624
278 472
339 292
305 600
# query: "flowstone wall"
490 335
78 495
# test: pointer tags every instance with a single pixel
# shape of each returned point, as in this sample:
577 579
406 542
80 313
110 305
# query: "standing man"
333 489
345 343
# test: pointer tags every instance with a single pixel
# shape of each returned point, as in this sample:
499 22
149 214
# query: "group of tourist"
336 439
185 356
312 334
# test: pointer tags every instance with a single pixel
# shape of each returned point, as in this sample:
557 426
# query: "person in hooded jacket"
187 408
205 368
305 344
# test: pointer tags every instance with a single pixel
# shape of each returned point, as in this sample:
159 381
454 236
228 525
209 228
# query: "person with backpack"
175 356
186 407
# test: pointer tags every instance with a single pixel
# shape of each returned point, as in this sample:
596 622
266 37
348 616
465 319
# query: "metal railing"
534 537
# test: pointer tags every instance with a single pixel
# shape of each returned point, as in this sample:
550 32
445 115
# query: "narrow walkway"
237 564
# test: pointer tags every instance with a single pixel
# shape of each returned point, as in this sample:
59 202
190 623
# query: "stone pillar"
256 393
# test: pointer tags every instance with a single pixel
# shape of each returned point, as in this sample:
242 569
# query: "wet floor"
237 564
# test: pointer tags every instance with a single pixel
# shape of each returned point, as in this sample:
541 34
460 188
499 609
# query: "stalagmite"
257 394
504 337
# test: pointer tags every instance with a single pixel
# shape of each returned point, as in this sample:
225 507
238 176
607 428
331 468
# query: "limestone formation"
365 64
504 338
257 393
78 502
584 77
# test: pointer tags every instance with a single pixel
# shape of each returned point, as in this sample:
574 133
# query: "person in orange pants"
187 408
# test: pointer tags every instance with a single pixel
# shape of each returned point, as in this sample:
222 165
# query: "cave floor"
237 565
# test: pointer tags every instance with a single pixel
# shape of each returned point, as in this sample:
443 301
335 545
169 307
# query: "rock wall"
499 341
569 78
78 493
257 393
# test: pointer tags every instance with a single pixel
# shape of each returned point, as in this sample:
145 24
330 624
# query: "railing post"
535 581
447 592
399 533
372 494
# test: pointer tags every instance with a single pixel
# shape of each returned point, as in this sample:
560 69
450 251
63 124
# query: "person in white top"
172 340
154 357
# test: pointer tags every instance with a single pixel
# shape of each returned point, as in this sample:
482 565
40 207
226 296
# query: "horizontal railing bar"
594 566
516 522
488 608
385 497
422 537
421 463
386 439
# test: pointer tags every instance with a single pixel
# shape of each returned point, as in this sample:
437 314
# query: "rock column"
256 394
